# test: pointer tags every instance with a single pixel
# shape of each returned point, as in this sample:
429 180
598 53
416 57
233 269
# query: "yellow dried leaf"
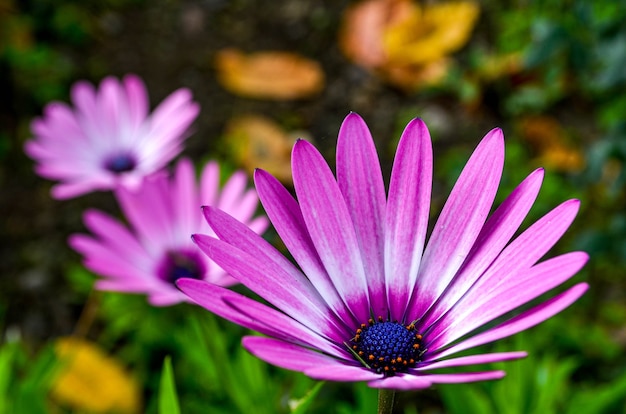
91 381
431 32
405 43
269 75
258 142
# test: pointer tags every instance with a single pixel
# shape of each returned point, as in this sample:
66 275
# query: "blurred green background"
550 73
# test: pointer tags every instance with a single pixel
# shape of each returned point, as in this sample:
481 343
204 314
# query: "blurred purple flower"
109 139
373 302
157 250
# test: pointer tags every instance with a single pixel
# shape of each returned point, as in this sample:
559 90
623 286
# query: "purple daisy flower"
110 139
372 301
163 214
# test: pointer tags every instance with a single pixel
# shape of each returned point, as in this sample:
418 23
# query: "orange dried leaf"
405 43
269 75
91 381
364 25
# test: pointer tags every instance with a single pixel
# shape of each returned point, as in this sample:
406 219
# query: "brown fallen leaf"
269 75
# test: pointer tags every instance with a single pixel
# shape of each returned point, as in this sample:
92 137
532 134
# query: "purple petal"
465 377
460 221
187 204
113 233
209 184
478 309
404 382
494 236
407 214
285 355
285 214
254 315
360 181
330 226
521 322
279 283
137 99
338 372
473 360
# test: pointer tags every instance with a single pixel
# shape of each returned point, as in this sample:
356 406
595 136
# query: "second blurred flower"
157 250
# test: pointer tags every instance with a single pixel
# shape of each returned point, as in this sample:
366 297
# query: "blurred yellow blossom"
90 381
258 142
406 43
549 139
269 75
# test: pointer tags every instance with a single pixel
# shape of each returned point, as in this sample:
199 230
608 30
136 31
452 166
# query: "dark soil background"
172 44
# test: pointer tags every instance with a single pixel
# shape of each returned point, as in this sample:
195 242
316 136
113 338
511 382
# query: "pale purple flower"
156 249
110 138
371 300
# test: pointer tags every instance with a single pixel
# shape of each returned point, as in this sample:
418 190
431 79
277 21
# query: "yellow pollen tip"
371 357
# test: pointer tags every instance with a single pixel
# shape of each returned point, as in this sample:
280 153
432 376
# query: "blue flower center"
182 263
387 347
120 163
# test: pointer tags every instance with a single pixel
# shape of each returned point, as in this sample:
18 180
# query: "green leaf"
301 405
168 399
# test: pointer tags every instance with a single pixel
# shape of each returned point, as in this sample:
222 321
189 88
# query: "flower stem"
385 401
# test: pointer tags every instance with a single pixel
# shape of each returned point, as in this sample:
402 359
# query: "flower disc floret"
387 347
177 264
120 163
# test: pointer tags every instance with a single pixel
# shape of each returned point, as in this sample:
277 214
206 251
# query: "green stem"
385 401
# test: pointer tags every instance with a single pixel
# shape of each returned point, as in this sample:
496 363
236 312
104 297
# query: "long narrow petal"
360 181
403 382
285 355
523 287
285 214
339 372
494 236
187 203
330 226
460 221
465 377
113 233
275 284
253 315
473 360
521 322
406 219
